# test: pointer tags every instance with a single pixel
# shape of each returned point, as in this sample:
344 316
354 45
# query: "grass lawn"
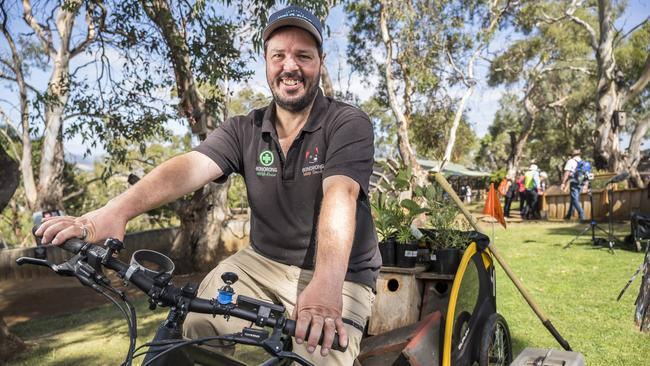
575 287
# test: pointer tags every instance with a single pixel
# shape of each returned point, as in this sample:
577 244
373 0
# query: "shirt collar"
314 120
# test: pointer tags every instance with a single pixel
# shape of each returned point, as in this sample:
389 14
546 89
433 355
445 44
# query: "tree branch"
7 77
572 68
44 36
632 30
92 29
593 37
640 83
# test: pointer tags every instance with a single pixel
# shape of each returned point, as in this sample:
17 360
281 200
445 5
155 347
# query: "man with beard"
306 161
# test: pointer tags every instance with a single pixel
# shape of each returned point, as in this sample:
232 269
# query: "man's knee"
199 325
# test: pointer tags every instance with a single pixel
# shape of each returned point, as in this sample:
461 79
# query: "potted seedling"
448 242
407 246
443 236
387 215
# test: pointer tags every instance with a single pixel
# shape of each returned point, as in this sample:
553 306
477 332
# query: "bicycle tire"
496 344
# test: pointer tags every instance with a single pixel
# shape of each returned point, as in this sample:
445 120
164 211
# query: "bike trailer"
467 330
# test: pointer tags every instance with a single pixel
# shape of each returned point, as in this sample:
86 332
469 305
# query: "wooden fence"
624 203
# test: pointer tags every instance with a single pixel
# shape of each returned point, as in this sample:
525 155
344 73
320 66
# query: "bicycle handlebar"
169 295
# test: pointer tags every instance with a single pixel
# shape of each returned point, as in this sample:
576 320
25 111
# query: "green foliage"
630 58
442 215
424 34
237 197
432 127
394 215
245 101
387 214
87 190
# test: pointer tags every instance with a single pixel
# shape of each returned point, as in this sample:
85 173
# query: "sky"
480 109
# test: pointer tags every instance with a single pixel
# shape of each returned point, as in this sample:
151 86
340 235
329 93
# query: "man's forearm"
336 228
170 180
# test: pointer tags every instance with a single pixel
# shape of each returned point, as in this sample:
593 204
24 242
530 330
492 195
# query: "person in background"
521 190
462 192
531 183
543 182
468 194
511 192
575 185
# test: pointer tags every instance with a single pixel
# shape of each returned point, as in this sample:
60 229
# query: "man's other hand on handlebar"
92 227
316 314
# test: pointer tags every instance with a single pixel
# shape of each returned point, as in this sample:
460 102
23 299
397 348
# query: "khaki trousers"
265 279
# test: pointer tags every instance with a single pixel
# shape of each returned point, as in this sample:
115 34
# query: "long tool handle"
442 181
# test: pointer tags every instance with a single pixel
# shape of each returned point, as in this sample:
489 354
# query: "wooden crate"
398 301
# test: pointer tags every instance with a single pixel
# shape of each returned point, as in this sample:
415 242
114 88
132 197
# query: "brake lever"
64 269
35 261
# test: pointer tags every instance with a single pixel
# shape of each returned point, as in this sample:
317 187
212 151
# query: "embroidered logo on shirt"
311 165
266 158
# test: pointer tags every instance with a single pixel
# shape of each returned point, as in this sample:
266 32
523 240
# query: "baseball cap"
294 16
575 152
533 167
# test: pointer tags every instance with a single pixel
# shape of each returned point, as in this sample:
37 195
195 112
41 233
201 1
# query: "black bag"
640 223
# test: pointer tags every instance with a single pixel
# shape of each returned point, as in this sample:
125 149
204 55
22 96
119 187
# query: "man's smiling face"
292 68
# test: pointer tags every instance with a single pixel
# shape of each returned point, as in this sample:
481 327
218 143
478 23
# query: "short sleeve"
223 146
350 147
570 165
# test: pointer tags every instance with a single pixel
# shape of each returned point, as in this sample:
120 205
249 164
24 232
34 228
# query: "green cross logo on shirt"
266 158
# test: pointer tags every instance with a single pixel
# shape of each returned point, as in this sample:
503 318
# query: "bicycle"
151 272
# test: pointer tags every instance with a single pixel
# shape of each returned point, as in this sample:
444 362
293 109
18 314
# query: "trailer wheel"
496 345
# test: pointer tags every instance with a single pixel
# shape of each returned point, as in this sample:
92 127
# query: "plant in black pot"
448 237
407 246
387 215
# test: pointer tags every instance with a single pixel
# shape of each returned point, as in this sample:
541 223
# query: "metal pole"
440 179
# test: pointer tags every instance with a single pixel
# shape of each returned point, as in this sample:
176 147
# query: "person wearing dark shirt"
306 161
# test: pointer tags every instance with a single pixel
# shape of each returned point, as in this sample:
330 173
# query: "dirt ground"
22 300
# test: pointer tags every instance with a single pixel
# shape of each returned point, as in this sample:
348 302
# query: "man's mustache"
289 75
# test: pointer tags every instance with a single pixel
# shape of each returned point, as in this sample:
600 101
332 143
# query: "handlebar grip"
73 245
290 329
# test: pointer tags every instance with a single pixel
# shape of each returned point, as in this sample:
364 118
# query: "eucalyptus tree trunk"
406 151
610 95
25 159
514 158
608 98
634 149
326 81
198 242
467 76
50 178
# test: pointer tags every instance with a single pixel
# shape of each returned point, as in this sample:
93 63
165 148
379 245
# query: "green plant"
411 209
394 215
386 214
443 217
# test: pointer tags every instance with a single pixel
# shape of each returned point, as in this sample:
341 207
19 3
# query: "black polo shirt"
285 192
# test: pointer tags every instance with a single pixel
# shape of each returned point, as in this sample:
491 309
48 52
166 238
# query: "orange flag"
493 206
